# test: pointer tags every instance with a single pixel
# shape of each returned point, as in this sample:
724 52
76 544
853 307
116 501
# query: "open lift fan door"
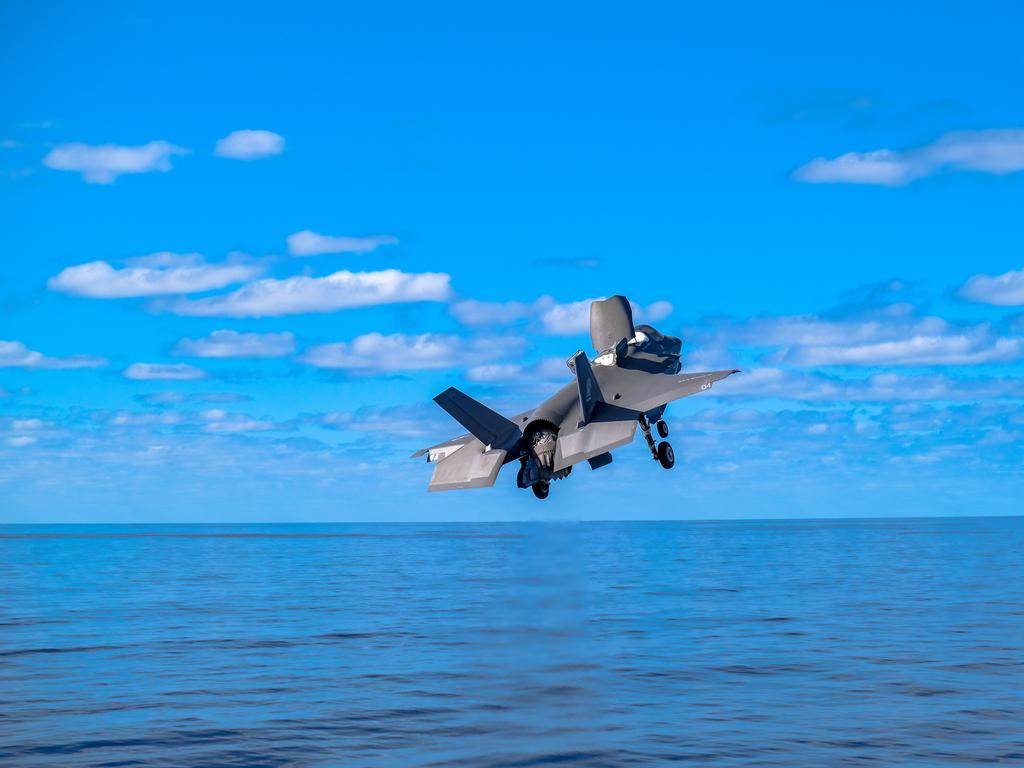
611 321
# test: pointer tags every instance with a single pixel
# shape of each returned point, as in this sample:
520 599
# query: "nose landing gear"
662 452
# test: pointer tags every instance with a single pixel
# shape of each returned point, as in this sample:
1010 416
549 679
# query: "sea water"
772 643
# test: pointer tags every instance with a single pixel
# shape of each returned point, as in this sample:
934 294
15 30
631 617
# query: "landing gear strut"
661 452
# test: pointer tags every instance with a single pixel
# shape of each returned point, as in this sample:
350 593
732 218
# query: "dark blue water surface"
891 642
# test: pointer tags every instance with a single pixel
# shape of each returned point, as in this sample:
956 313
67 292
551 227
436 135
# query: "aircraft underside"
536 467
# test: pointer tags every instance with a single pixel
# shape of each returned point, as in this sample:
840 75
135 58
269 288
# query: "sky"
243 244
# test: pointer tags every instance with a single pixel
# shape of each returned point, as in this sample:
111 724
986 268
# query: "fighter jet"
636 373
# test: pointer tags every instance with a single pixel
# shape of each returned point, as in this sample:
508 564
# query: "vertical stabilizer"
587 386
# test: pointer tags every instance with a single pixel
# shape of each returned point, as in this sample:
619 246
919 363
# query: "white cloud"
163 372
102 164
479 313
893 335
169 398
20 441
419 421
309 243
781 384
239 425
881 166
400 352
219 420
163 398
542 373
14 354
970 346
895 322
1005 290
250 145
573 318
567 319
994 151
496 372
654 313
157 274
213 420
27 424
131 419
302 294
226 343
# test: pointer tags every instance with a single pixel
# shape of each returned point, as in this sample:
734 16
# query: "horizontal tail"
487 426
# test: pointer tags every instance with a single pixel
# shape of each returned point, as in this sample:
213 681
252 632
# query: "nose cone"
611 320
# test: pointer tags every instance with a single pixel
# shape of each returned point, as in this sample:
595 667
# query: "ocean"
767 643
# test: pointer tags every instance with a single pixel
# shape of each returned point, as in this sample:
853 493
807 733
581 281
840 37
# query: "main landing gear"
538 481
666 455
661 451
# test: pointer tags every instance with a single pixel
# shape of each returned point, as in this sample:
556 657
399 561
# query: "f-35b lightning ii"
636 373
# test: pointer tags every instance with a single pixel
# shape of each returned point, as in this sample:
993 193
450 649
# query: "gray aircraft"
636 373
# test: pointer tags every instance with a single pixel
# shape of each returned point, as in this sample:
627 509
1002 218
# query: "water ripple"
833 643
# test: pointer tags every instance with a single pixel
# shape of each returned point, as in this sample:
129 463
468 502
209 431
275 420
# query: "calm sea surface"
888 643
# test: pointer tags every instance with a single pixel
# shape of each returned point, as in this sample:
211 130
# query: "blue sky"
243 245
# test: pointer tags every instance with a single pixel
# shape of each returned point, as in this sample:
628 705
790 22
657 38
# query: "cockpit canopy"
653 341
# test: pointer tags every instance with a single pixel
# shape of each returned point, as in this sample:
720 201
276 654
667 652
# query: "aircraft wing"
611 428
641 391
462 462
592 428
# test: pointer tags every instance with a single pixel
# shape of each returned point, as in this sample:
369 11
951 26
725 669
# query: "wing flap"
471 466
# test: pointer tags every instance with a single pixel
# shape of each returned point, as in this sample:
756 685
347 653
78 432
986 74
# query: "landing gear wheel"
662 428
666 456
541 490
